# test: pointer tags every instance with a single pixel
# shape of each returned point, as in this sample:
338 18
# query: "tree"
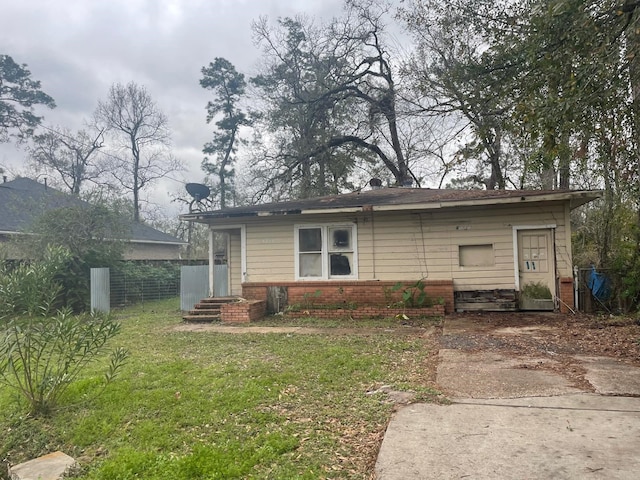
19 93
297 63
93 234
72 156
141 130
228 87
370 80
333 89
452 71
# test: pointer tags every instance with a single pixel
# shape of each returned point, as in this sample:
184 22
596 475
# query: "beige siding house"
473 249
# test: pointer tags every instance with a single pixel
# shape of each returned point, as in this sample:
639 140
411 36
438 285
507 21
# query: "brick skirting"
359 293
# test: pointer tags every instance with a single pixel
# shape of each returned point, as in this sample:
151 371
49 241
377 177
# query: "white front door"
536 269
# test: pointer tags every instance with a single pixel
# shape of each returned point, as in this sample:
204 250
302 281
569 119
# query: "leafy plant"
32 288
41 356
308 297
413 296
536 290
42 352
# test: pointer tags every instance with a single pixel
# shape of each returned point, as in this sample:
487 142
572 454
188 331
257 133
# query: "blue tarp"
599 284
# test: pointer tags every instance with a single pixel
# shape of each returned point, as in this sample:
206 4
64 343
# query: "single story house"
472 249
23 199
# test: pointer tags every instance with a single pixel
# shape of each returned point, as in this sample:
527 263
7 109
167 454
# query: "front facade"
356 247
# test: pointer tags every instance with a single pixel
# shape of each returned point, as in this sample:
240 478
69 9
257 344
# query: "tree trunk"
633 54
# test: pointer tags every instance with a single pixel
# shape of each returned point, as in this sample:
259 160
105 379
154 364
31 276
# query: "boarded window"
476 255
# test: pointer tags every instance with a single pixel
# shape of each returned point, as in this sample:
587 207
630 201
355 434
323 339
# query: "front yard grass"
205 405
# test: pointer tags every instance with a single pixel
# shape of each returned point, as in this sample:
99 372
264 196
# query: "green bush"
536 290
43 346
41 356
32 288
94 236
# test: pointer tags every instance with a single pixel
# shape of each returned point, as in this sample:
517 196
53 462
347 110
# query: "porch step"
207 310
217 300
204 311
201 318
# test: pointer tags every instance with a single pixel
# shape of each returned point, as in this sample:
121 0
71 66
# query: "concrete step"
201 318
218 300
208 306
204 311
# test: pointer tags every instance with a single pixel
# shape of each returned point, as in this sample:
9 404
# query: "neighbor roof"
400 198
22 200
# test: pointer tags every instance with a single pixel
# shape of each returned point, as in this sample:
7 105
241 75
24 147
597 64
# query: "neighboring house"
472 248
23 200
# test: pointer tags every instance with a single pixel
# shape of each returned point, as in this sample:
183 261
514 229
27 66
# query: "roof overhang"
157 242
575 199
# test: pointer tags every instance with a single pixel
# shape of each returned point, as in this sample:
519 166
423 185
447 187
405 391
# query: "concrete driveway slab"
610 376
568 437
490 375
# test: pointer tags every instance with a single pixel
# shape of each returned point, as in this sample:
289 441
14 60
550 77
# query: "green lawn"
209 405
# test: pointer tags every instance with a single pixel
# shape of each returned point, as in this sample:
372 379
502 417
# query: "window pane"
310 265
340 264
339 239
310 239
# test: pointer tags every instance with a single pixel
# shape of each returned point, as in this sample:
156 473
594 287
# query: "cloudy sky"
79 48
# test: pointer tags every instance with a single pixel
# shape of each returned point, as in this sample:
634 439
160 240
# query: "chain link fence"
134 283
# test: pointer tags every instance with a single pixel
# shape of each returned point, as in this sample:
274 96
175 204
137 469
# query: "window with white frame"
325 251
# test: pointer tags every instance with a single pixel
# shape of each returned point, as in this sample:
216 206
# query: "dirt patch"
547 334
243 329
557 339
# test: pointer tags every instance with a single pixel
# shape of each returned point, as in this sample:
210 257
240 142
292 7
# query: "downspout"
373 245
556 276
576 296
212 259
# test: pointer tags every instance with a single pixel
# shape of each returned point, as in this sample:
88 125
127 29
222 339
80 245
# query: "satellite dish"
198 191
200 194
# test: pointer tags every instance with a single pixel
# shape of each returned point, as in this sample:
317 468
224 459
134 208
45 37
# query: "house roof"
399 198
22 200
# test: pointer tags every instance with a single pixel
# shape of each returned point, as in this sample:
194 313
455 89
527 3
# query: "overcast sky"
79 48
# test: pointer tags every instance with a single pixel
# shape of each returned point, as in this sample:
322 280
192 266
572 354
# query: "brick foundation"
360 294
369 312
566 294
243 312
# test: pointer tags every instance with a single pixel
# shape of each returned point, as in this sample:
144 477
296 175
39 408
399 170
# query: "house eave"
157 242
576 198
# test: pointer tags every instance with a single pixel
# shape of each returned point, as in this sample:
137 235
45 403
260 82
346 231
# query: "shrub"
536 290
32 288
94 236
42 352
41 356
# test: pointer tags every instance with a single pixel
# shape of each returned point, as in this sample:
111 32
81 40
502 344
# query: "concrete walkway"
512 419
